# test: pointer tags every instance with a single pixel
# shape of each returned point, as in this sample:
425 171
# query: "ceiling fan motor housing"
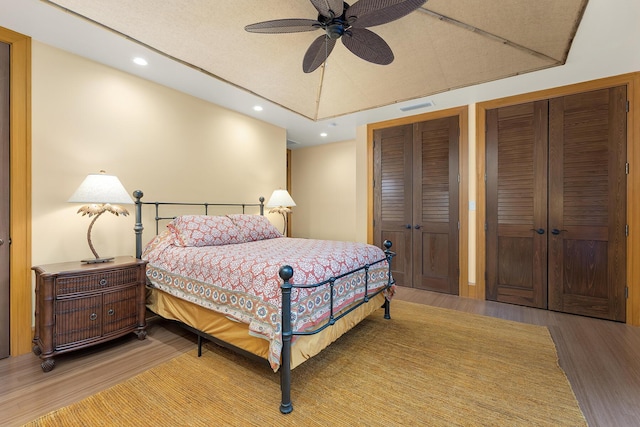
335 26
335 31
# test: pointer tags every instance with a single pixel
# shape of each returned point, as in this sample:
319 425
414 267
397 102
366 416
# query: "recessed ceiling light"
323 134
257 108
140 61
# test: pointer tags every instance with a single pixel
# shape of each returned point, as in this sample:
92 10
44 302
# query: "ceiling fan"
339 20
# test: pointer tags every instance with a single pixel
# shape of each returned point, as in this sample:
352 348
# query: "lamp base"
96 260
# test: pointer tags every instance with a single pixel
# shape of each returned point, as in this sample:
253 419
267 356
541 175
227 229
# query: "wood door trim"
289 224
632 80
464 288
20 163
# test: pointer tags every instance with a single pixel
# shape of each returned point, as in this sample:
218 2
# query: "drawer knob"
103 281
111 312
93 316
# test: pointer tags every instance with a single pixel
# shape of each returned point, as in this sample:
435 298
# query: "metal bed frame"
285 273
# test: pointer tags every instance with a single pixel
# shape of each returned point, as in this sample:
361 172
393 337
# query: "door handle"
1 242
539 230
408 226
555 231
417 227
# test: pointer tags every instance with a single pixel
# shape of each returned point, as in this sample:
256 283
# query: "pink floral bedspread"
241 280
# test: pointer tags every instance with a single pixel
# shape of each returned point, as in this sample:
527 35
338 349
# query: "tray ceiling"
446 44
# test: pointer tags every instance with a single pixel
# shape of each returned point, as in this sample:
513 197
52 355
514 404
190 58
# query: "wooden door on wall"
587 203
4 200
435 205
393 196
516 201
416 201
556 204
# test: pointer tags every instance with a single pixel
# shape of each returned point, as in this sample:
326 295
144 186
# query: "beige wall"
88 117
323 185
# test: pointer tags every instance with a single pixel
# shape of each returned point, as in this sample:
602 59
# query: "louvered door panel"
392 198
516 204
587 204
436 205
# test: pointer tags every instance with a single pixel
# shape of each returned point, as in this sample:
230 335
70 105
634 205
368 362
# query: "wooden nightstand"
78 305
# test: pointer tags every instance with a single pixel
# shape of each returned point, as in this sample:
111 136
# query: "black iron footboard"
286 273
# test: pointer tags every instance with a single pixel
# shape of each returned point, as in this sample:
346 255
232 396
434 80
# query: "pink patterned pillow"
204 230
255 227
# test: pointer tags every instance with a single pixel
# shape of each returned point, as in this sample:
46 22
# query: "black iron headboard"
138 202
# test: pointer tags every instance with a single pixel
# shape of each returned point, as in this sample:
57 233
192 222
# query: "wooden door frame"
632 81
288 230
463 196
20 187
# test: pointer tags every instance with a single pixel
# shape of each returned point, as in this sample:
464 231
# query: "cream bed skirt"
237 333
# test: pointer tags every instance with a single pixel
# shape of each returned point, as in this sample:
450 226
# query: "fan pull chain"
326 51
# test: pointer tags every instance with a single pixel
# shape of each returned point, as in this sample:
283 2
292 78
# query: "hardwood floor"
601 360
27 393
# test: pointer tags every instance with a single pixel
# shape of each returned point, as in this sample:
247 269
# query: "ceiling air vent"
426 104
292 144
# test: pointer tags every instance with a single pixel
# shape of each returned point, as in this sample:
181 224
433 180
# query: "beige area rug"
427 366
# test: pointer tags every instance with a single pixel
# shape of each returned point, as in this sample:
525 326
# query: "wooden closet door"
587 204
516 204
435 205
393 196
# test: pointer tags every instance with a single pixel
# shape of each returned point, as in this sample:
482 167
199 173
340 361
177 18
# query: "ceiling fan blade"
368 45
317 53
325 7
280 26
369 13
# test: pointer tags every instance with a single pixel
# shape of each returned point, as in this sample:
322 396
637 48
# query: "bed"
234 279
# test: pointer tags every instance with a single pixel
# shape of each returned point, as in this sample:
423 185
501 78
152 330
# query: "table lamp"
280 201
100 193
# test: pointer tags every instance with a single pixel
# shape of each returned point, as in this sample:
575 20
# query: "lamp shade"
101 188
280 198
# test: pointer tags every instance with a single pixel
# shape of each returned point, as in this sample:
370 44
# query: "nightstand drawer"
77 320
119 309
95 281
